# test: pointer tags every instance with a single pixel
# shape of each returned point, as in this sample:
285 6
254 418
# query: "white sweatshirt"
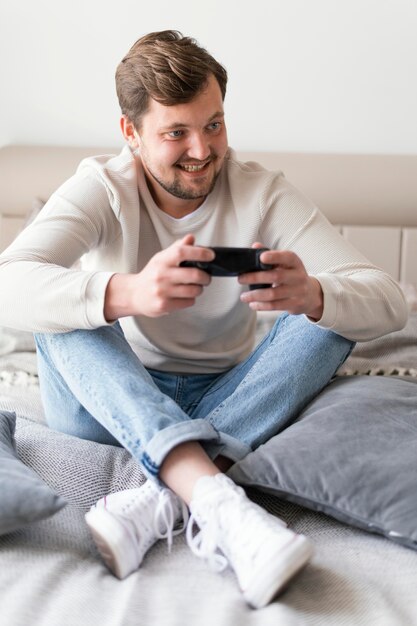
106 215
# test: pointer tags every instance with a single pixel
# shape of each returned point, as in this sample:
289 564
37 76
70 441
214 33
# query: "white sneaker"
126 524
264 554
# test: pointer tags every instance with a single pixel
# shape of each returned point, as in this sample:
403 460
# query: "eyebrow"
176 125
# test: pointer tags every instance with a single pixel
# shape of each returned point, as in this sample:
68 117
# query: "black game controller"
233 262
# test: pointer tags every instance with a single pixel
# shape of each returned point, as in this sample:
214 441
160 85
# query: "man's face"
182 148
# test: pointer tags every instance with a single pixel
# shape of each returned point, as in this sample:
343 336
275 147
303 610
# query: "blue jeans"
93 386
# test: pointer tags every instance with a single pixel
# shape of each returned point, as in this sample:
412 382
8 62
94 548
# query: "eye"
214 126
175 134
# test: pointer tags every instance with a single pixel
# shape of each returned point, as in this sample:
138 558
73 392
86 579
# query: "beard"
180 190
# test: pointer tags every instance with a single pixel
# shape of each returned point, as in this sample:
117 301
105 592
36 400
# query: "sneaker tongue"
219 484
204 485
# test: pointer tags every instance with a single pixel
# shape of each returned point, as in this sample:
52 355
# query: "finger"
258 245
269 294
276 299
185 250
280 305
189 276
290 305
282 258
276 276
187 240
185 292
259 295
194 253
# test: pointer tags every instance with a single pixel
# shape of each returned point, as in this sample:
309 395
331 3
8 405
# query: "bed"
344 474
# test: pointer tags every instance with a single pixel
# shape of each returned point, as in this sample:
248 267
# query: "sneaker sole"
110 540
279 571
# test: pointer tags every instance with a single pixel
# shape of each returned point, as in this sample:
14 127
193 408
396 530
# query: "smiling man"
136 349
182 148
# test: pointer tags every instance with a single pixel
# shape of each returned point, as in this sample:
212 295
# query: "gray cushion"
24 496
352 454
83 471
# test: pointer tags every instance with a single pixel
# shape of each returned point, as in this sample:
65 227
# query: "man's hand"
292 290
162 286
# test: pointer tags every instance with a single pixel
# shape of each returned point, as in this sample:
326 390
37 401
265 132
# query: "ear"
129 132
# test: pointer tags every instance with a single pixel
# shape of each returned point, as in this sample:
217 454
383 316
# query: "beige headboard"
372 198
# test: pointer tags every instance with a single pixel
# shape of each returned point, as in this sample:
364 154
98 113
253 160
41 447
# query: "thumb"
187 240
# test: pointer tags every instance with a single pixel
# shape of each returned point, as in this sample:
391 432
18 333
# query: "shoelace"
205 543
164 515
161 516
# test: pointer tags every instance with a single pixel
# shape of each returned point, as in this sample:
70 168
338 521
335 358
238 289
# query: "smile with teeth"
192 168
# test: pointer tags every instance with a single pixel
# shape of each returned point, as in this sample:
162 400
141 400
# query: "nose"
198 146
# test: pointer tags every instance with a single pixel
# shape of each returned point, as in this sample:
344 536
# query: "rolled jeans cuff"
165 440
227 446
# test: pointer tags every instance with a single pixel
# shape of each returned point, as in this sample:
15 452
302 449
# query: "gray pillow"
351 454
24 496
83 471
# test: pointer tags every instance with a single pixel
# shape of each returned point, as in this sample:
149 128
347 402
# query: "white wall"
305 75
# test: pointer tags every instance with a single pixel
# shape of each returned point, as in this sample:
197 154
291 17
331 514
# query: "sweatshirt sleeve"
361 301
40 291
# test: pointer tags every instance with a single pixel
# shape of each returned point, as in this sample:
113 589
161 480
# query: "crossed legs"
94 386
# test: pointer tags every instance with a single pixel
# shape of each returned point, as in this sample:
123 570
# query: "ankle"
184 466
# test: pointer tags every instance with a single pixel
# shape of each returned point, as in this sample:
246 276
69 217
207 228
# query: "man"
159 358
